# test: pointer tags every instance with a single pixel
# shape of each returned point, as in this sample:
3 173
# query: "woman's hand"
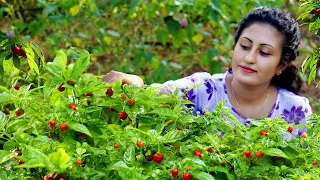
114 76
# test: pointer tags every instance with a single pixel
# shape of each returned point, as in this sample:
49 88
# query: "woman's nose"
250 58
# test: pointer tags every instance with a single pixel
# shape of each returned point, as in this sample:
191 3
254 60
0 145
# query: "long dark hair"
289 79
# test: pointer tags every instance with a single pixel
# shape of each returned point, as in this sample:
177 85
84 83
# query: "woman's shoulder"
291 97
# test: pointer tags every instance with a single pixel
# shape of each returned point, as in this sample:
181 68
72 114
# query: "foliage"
310 13
146 36
70 125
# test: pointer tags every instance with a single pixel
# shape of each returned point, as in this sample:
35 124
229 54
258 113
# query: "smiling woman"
263 80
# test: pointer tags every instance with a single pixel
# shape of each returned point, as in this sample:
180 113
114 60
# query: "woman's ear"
281 68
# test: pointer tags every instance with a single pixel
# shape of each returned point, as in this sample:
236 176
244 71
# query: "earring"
278 73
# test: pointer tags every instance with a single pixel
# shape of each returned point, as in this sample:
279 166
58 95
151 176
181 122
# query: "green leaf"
215 67
173 136
129 155
60 159
3 120
31 59
5 156
274 152
255 171
80 65
133 5
9 56
163 112
80 151
117 165
38 52
203 175
172 25
79 128
16 61
6 98
60 60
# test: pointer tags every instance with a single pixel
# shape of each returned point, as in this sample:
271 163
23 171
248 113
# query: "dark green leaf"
173 136
274 152
79 128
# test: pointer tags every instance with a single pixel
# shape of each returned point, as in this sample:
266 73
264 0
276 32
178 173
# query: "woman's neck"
246 94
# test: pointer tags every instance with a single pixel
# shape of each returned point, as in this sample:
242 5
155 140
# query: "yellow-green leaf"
107 39
75 10
197 38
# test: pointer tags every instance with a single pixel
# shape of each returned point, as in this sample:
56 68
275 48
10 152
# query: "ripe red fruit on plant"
210 150
19 112
197 152
122 115
63 127
123 96
20 162
111 109
247 153
47 177
279 158
60 88
314 163
259 154
264 132
16 86
22 53
140 143
82 134
174 172
59 177
79 162
131 102
290 129
73 106
6 112
89 94
49 136
52 123
315 11
17 151
16 50
109 92
149 158
157 157
304 135
176 146
187 176
116 146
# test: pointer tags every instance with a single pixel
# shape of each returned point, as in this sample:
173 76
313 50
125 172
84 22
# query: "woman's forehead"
263 34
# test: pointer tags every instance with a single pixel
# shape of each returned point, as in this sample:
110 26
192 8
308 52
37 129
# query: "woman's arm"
114 76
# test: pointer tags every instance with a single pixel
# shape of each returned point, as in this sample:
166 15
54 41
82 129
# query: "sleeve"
298 113
198 88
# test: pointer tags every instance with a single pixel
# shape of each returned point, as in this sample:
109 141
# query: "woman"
263 80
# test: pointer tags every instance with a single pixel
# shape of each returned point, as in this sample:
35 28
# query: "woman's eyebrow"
263 44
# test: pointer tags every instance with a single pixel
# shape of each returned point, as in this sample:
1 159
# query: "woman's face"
256 56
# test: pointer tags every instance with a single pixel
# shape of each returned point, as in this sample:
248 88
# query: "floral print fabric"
210 89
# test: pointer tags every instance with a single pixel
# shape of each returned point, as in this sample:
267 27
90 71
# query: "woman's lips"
247 69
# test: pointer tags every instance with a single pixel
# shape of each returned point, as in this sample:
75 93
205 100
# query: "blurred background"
158 40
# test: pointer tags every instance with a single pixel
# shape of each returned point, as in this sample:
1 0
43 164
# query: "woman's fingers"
113 76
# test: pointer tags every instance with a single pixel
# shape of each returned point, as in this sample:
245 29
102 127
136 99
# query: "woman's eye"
264 53
244 47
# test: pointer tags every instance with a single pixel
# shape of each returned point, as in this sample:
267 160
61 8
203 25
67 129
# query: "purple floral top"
212 89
